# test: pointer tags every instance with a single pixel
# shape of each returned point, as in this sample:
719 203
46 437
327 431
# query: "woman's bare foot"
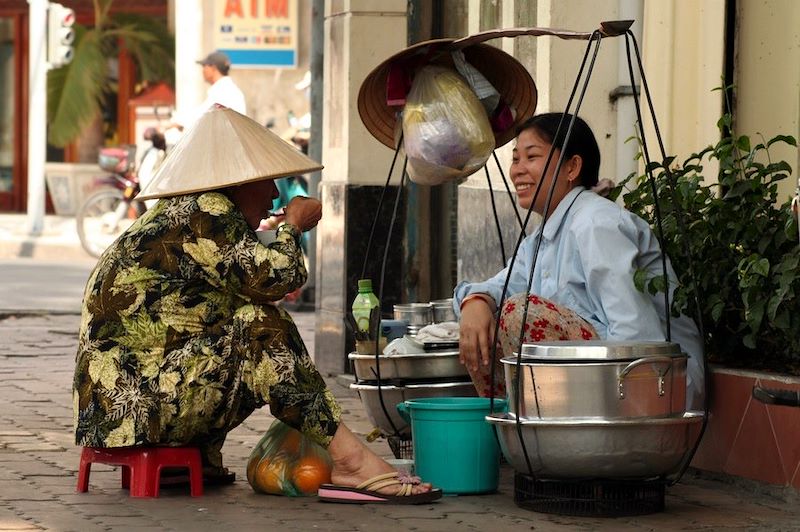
353 462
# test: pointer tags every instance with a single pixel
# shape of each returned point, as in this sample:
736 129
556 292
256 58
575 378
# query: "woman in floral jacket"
180 339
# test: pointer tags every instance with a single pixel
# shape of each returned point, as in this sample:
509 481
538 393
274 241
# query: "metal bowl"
417 315
597 379
394 395
433 365
591 448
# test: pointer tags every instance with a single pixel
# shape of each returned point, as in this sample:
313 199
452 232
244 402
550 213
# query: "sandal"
367 492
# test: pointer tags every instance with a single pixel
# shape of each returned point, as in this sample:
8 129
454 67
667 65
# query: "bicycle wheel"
102 218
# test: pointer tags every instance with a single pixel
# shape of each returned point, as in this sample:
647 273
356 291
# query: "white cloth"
447 331
224 92
590 250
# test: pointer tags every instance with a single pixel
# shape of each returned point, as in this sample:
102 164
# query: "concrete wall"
359 34
683 53
768 77
684 46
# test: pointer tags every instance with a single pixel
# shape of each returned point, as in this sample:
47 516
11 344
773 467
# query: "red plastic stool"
141 467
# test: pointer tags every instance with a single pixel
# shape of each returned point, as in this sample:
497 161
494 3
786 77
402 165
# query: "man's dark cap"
220 60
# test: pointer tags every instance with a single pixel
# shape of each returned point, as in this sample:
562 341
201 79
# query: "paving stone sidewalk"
38 465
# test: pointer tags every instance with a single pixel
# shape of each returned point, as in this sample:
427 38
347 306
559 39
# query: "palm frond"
101 9
150 44
75 91
81 85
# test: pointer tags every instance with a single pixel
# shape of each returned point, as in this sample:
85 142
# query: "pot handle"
402 409
638 362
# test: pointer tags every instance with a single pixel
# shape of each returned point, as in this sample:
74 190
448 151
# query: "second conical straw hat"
225 148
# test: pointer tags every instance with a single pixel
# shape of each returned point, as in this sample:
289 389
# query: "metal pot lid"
594 350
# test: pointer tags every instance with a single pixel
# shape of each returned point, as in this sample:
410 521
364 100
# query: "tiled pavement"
38 464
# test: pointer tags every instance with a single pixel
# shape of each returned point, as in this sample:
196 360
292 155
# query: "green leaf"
656 285
76 102
743 143
640 279
788 139
761 267
749 341
716 310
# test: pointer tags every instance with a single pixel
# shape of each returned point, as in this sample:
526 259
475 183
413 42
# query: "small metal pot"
607 380
591 448
432 365
443 310
417 315
394 395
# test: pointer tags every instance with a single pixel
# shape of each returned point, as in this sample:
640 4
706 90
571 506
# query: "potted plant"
743 246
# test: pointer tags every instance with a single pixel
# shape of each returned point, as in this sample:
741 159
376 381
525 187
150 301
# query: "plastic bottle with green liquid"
363 304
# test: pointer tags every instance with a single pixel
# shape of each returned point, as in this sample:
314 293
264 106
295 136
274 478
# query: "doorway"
12 112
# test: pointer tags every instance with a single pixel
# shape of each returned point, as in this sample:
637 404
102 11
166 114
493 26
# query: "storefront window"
7 106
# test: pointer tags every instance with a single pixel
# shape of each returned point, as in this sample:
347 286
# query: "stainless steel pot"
432 365
443 310
591 448
393 395
417 315
607 380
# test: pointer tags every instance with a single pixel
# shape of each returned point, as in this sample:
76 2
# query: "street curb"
36 248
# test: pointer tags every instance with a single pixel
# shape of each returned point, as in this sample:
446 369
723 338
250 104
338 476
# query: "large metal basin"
393 395
607 380
590 448
432 365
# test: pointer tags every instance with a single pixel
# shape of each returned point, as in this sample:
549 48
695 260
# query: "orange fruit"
309 473
291 442
270 476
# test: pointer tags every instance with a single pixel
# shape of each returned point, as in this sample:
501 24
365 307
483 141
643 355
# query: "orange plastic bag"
287 463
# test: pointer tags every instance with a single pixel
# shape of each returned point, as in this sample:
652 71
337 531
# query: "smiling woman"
588 252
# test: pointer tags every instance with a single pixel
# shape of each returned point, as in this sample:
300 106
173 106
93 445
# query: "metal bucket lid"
594 350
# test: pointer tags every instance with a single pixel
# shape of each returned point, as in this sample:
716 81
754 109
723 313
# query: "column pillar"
359 34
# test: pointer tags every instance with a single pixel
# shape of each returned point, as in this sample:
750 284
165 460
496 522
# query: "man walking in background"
223 90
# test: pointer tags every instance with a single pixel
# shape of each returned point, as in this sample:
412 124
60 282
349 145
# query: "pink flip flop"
367 492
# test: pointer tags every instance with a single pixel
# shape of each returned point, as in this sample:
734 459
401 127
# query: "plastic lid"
365 285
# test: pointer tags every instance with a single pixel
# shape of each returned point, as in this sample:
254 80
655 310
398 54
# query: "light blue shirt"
590 249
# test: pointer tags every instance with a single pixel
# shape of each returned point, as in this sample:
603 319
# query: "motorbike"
109 211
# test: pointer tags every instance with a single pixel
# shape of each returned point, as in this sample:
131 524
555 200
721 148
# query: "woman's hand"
303 213
476 336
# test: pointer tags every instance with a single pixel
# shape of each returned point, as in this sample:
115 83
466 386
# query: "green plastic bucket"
455 448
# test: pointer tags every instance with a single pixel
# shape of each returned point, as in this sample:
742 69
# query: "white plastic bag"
403 346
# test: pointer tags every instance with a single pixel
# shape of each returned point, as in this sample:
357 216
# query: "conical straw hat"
504 72
222 149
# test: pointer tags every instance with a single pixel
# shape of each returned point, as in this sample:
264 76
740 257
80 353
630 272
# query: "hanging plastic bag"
446 132
287 463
